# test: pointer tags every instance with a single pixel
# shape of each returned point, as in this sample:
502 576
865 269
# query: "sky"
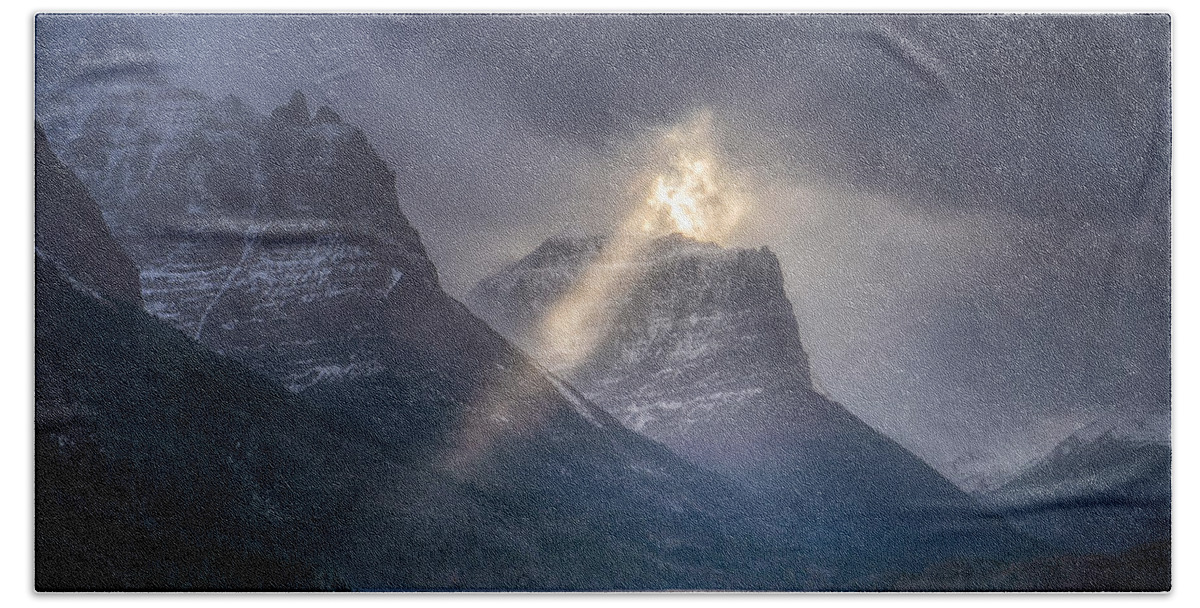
972 213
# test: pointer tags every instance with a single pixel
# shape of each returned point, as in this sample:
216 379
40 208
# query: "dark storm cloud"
972 212
1041 115
1045 115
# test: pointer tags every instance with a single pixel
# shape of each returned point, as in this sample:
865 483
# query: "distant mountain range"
306 408
1105 488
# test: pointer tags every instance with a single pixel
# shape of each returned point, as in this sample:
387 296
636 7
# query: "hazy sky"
972 213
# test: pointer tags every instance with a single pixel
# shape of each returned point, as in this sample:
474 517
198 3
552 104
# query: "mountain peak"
295 111
326 115
291 220
693 331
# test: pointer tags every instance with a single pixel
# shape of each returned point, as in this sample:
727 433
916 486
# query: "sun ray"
688 194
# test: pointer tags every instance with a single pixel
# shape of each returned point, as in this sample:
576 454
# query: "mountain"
702 352
276 240
1101 504
437 454
70 233
663 369
1105 488
156 463
451 461
163 466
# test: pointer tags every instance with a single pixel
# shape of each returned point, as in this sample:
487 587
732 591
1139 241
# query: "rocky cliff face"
702 345
277 240
703 353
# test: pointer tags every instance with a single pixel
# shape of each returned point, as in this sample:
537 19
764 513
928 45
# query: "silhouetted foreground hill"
162 466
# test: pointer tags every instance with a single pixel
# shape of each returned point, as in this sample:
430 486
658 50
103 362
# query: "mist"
972 214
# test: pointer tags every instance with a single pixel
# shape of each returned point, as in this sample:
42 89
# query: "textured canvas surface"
603 303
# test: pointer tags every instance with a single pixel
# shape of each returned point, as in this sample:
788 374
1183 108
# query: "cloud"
973 212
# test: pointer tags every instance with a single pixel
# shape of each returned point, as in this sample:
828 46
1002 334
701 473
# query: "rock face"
157 463
278 240
702 342
703 353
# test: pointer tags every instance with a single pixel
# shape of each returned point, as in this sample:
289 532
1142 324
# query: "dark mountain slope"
161 466
69 229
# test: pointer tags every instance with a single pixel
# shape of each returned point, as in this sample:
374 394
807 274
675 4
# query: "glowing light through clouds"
688 194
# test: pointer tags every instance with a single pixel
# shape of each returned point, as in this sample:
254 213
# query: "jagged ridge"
246 228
